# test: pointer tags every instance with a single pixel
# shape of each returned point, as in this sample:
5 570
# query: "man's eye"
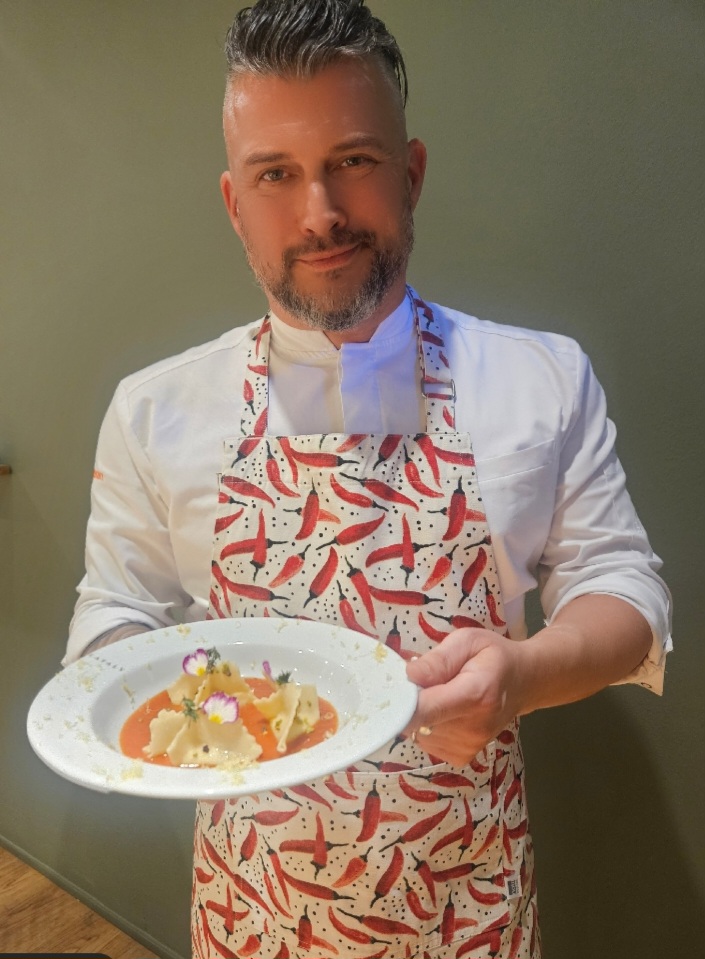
355 161
273 176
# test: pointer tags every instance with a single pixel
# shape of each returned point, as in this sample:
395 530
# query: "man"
352 405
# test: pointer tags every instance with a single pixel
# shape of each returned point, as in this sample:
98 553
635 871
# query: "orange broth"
134 735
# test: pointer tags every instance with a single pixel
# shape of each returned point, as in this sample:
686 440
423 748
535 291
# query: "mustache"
334 241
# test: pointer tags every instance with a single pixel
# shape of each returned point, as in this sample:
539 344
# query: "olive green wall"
565 191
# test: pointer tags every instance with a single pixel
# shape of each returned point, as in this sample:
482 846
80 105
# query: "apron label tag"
513 887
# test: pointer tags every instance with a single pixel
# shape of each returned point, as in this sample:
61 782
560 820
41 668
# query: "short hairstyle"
300 37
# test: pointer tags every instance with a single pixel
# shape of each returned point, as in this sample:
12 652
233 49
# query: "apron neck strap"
437 384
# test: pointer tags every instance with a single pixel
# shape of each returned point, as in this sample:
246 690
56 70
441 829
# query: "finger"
453 702
457 704
447 659
444 743
418 721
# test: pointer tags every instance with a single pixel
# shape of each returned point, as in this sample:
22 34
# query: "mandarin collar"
289 341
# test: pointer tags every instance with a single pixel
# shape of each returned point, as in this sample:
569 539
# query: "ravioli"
207 729
206 743
223 678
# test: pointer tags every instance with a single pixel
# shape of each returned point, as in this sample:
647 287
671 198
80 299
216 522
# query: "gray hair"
300 37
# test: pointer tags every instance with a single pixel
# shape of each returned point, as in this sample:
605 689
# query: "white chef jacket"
554 491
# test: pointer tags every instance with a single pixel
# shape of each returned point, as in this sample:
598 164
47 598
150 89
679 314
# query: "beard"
333 310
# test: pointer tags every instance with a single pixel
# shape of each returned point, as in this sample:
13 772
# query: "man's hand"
471 690
475 682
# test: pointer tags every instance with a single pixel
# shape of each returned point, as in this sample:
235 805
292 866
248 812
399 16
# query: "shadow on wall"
143 849
615 879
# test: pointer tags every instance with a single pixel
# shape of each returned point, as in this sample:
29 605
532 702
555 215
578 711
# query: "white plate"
75 721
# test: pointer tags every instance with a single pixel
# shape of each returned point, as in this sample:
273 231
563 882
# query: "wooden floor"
36 915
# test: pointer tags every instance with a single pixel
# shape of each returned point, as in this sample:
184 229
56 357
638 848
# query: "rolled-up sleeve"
597 543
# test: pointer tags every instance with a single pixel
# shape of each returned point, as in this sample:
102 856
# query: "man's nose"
322 209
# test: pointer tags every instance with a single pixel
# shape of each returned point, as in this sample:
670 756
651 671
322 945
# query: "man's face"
321 187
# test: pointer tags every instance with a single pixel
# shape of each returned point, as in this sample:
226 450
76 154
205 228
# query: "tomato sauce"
134 735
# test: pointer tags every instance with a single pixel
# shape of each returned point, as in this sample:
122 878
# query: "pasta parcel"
212 715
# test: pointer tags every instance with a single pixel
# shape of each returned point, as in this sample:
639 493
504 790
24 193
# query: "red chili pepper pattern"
472 573
383 491
435 635
243 488
260 594
425 445
224 521
323 577
387 448
386 535
495 618
414 477
285 446
389 877
355 439
273 895
291 567
356 532
402 597
249 844
350 496
354 935
272 817
420 795
274 476
245 888
452 456
393 640
246 447
460 622
260 425
226 912
415 905
362 587
309 515
386 927
456 513
353 870
347 613
370 816
248 394
424 826
305 931
308 792
220 579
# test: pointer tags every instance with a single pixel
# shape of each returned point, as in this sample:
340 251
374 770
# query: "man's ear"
416 169
230 200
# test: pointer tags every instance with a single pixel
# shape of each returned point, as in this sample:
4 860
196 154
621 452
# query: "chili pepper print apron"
402 855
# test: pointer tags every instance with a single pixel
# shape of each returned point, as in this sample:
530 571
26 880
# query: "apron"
401 855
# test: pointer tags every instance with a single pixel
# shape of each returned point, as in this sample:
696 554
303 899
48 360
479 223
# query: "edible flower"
201 662
221 708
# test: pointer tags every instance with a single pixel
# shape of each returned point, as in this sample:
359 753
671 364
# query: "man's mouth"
329 259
